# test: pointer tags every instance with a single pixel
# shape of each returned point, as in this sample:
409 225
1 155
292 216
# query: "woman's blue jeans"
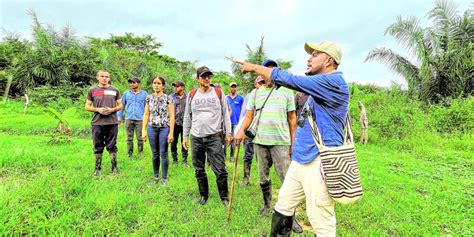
158 137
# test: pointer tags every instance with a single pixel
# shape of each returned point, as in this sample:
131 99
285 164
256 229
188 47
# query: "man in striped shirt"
275 132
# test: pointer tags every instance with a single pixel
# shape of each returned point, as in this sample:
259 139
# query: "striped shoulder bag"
339 164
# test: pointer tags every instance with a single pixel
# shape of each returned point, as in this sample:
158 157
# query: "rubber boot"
247 166
113 160
223 188
267 197
281 224
98 164
130 149
203 189
140 149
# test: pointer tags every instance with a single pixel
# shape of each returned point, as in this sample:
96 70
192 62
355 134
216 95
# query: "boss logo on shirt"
207 102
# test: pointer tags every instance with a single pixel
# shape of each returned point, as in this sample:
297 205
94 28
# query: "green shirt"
273 127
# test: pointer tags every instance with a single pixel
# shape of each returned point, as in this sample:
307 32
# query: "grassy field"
49 189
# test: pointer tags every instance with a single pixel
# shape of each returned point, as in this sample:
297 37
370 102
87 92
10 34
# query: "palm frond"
408 33
398 64
443 16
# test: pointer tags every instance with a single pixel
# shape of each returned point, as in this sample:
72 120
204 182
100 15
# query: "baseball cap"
202 70
328 47
134 79
232 84
178 83
259 79
269 62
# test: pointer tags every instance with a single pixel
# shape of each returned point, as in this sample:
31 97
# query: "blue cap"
269 62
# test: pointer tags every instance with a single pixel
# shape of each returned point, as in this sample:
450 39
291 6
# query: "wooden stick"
236 159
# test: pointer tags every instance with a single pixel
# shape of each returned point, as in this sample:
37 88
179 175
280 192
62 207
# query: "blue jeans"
158 137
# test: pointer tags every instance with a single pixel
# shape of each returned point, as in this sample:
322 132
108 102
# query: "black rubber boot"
130 148
203 189
98 164
140 149
246 179
223 188
113 160
281 224
267 197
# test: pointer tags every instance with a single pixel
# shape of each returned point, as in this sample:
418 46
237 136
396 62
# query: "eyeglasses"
302 118
207 76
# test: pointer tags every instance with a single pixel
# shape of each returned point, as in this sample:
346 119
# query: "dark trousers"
212 147
158 137
178 132
248 147
105 136
134 127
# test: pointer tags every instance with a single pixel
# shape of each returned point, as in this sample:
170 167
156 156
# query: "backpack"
218 92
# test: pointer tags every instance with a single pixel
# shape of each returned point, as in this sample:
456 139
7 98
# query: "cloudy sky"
207 31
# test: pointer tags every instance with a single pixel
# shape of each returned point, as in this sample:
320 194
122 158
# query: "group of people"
209 121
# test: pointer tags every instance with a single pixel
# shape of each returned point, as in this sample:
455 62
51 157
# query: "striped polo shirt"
273 127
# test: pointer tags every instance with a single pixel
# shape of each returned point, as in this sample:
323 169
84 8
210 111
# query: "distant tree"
256 56
145 44
54 58
12 50
57 64
444 64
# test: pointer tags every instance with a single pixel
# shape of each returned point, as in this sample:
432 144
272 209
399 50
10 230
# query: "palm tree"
256 56
444 53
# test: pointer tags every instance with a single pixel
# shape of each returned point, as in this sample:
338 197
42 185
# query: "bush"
453 116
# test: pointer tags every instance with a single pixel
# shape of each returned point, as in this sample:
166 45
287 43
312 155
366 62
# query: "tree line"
443 52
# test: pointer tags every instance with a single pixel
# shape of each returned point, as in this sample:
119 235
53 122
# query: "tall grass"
417 180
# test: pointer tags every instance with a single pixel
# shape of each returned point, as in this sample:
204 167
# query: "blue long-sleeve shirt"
133 105
329 103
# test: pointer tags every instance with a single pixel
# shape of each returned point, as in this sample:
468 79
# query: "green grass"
425 189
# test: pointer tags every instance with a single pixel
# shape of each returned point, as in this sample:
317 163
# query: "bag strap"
348 136
261 108
314 127
268 96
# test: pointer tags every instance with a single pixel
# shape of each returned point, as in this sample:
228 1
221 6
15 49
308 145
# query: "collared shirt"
329 101
179 108
133 105
236 107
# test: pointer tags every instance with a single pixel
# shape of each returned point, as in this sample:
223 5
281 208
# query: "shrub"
454 116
